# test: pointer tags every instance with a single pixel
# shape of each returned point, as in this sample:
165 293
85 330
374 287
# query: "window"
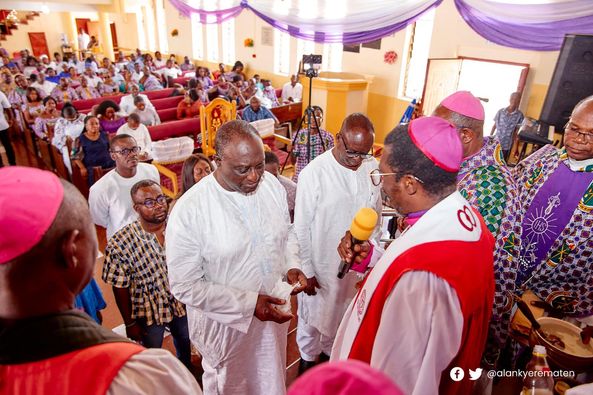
212 42
149 19
414 67
281 52
304 47
141 33
332 57
228 41
162 26
197 37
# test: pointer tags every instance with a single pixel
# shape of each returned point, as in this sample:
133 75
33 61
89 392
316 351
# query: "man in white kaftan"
332 188
229 244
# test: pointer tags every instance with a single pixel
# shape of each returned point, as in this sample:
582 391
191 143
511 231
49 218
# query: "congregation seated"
85 91
43 85
187 65
170 71
64 93
68 127
140 133
16 97
109 116
108 87
45 122
255 111
33 106
203 77
148 116
270 93
127 102
292 91
148 81
92 78
91 149
189 107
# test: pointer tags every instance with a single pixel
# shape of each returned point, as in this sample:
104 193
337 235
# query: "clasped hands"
265 309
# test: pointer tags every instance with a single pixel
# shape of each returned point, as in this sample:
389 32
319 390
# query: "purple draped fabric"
339 37
533 36
220 16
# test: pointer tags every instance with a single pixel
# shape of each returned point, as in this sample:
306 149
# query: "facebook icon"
457 374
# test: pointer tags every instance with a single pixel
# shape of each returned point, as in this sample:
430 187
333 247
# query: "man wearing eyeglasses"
109 197
425 305
556 219
331 189
136 268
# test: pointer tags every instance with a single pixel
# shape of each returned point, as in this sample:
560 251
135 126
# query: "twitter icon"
475 374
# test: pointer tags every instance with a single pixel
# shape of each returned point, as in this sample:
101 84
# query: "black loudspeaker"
572 80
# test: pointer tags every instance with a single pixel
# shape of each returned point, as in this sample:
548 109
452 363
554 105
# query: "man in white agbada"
109 198
229 245
332 188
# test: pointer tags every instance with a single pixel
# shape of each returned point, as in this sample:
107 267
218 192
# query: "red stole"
88 371
468 269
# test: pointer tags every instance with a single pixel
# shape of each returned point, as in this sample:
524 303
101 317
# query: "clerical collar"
579 165
412 218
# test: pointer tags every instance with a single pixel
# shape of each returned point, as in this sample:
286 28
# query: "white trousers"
311 342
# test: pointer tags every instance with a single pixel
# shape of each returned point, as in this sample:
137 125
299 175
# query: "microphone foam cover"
364 223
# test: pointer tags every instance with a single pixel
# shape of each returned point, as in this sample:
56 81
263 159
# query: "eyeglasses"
354 154
571 128
127 151
377 177
161 200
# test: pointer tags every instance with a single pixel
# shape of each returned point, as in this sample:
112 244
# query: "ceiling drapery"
533 24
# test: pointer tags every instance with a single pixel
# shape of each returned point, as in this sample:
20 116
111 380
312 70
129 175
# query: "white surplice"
328 197
223 249
421 321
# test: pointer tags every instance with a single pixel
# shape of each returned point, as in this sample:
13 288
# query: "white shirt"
296 92
83 41
151 370
328 197
127 106
140 134
171 72
159 64
110 201
4 105
94 81
46 87
136 76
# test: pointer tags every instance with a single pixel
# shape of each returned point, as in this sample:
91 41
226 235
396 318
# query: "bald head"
232 132
357 136
46 278
578 133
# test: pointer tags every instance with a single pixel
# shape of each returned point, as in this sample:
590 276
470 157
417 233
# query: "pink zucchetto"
29 202
350 377
464 103
439 141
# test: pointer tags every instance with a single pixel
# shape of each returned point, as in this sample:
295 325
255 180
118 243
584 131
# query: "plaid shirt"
134 259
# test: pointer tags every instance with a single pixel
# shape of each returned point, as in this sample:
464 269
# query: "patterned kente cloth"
563 277
486 182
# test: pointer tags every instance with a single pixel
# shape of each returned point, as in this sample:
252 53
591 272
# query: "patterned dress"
486 182
300 150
